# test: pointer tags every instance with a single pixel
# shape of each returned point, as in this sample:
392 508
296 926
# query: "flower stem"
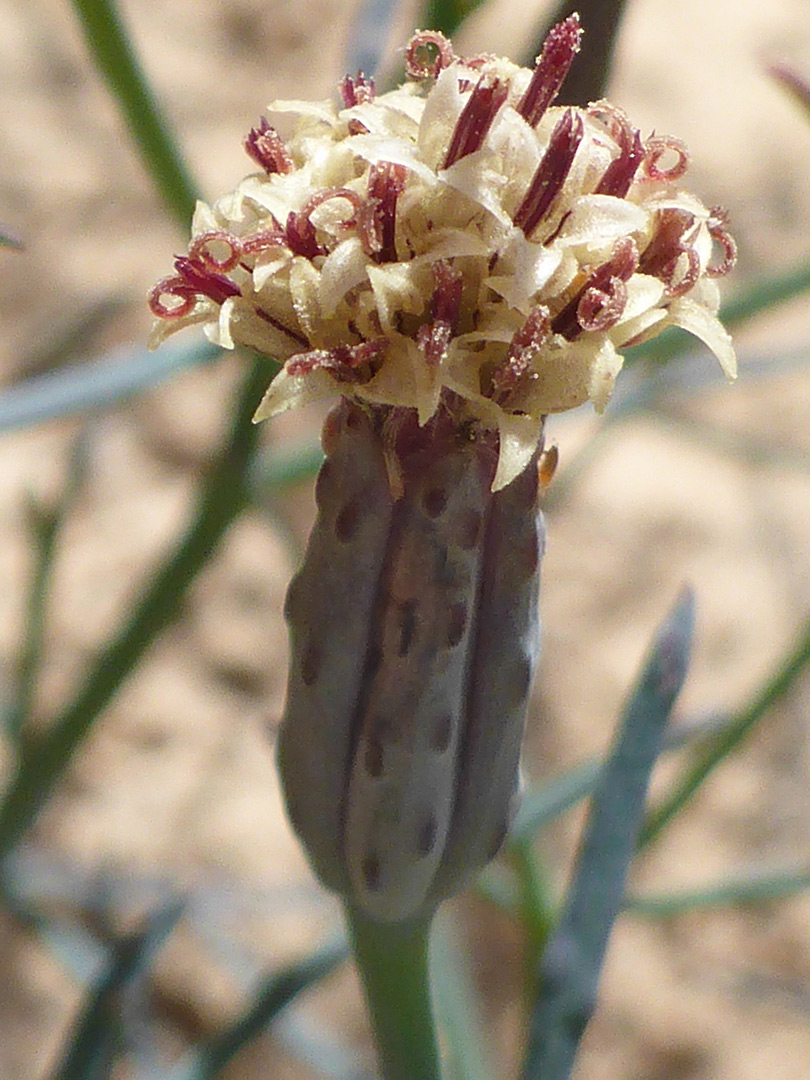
392 959
115 58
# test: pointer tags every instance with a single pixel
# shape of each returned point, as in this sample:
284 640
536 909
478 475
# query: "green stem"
222 498
115 58
392 959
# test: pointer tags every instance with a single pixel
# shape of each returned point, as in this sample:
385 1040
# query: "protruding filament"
301 235
523 348
357 90
346 363
602 300
264 145
619 175
427 54
551 172
435 336
553 64
377 222
476 119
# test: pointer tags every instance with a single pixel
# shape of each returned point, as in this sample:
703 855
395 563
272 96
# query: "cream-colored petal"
691 316
519 436
290 391
342 270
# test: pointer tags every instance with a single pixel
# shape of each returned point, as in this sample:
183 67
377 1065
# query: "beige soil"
176 786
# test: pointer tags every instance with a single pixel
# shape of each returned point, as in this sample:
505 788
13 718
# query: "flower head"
459 242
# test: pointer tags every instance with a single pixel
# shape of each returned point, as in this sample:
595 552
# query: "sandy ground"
175 789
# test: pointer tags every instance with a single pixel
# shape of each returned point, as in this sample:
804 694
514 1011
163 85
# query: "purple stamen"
445 307
553 64
357 90
264 145
601 301
718 230
476 119
377 224
427 54
523 348
551 172
619 175
300 232
196 276
346 363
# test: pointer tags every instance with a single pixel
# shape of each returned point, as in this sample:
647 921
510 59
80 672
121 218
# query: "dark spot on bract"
373 759
468 529
456 625
371 871
407 627
441 733
354 418
435 501
427 836
311 663
347 520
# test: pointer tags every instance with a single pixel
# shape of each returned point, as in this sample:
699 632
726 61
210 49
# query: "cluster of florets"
459 238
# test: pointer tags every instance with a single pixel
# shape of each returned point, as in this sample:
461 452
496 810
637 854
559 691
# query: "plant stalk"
392 959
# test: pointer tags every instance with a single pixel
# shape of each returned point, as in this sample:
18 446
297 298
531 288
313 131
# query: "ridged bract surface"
414 635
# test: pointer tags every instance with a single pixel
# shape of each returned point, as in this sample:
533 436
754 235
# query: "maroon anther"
619 175
264 145
377 222
445 307
476 119
193 280
654 150
205 282
203 250
428 54
718 230
601 301
346 363
300 232
551 172
357 90
524 346
662 258
553 64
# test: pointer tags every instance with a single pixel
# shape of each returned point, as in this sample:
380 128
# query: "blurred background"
174 791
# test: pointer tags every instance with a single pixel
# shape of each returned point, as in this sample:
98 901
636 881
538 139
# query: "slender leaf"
756 887
279 991
222 499
115 58
571 964
96 384
457 1009
731 737
45 528
543 803
92 1043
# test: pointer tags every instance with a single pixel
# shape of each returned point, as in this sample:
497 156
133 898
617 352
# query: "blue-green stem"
392 959
115 58
733 734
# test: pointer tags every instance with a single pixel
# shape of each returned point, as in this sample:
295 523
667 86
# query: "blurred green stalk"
115 58
392 959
